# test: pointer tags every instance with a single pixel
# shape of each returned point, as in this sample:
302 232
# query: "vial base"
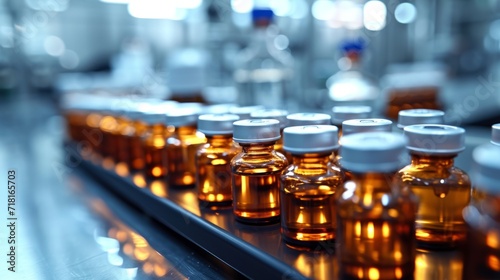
439 221
376 249
214 182
256 198
156 162
308 215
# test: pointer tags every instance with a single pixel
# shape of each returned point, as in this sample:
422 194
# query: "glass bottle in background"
182 146
264 73
256 171
213 170
155 145
375 215
108 125
309 185
350 86
137 130
419 116
495 134
443 190
482 217
344 113
301 119
279 115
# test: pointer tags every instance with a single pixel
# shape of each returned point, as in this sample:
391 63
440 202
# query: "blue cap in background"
259 14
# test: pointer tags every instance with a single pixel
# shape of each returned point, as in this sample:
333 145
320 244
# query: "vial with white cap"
419 116
482 217
442 189
213 170
375 216
495 134
366 125
344 113
182 146
301 119
309 185
245 111
256 170
154 144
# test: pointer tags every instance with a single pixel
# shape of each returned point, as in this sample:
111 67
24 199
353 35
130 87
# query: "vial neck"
432 161
373 182
311 160
156 129
258 148
219 140
186 130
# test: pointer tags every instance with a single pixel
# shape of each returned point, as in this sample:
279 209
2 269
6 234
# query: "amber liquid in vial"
214 171
122 150
181 153
155 154
443 192
256 183
136 159
376 231
308 202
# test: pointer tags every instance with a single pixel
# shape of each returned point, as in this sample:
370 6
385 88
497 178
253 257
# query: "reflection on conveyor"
129 250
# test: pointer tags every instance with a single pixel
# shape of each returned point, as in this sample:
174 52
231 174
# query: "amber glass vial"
345 113
309 185
182 146
244 111
482 217
419 116
375 216
108 125
135 133
255 172
443 190
154 145
213 170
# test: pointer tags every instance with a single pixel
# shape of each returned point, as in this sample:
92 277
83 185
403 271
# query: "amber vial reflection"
181 152
256 183
155 154
482 250
214 170
376 229
308 199
443 192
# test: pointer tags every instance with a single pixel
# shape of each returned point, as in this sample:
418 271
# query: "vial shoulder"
452 176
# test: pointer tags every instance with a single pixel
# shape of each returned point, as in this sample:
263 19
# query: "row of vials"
275 167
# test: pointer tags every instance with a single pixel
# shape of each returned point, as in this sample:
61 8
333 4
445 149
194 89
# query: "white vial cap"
256 131
151 118
276 114
486 170
245 111
300 119
182 117
310 139
344 113
218 108
435 139
373 152
366 125
495 134
420 116
216 124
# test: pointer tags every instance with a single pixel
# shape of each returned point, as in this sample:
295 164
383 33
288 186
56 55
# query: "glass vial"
182 146
155 145
213 170
366 125
256 170
495 134
136 132
482 217
309 185
301 119
375 216
245 111
419 116
344 113
443 190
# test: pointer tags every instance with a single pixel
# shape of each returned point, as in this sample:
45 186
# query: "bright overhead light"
374 15
156 9
116 1
405 13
